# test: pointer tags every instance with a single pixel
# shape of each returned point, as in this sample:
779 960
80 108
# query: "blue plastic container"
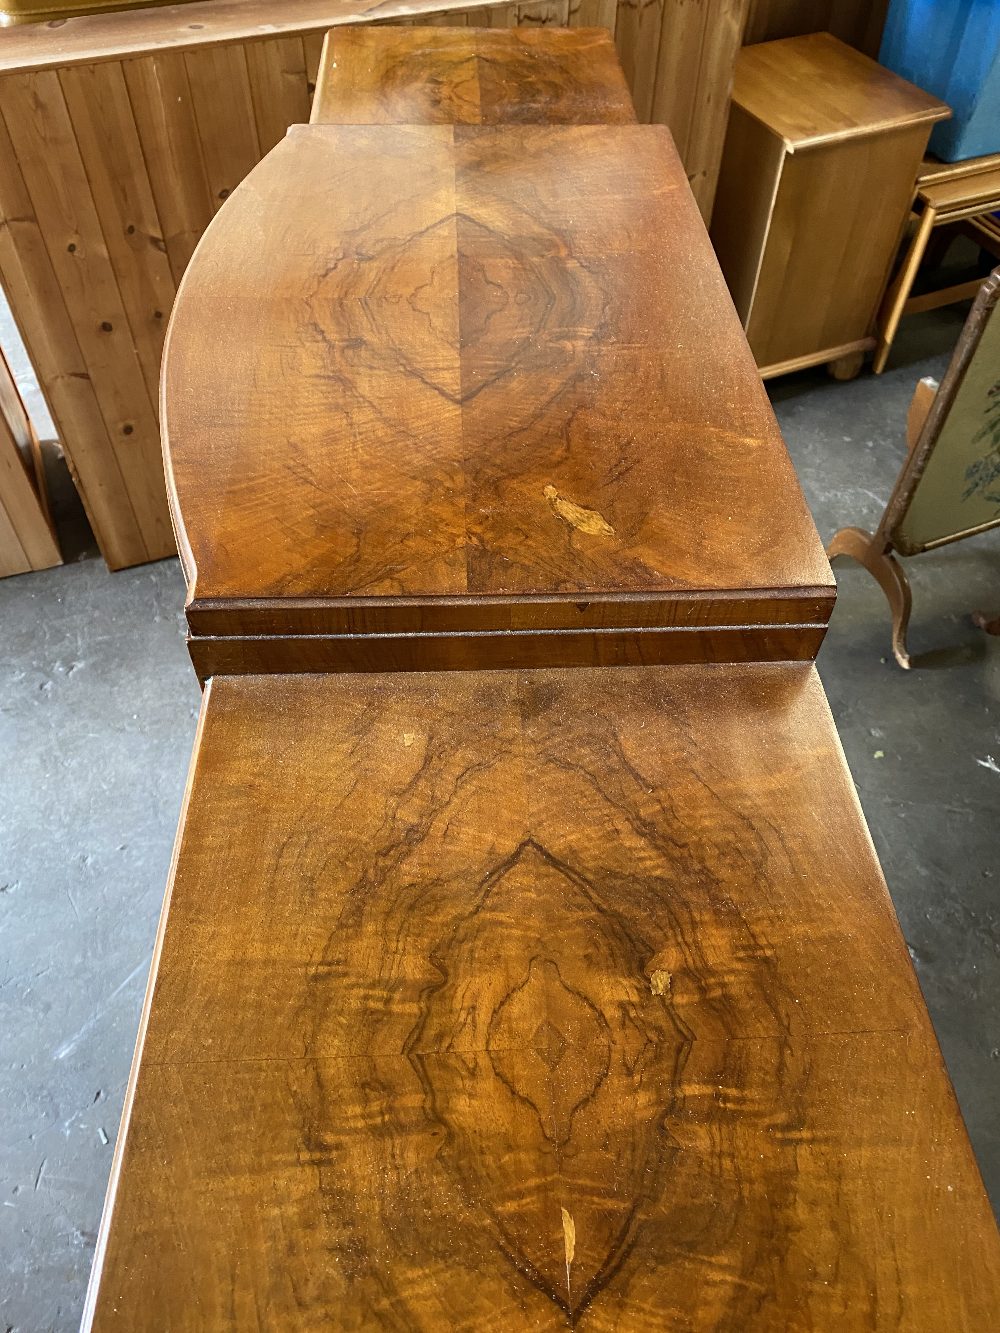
952 49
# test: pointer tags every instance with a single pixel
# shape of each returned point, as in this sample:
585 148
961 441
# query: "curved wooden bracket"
870 551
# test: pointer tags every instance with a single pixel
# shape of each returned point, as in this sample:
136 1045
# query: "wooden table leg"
892 307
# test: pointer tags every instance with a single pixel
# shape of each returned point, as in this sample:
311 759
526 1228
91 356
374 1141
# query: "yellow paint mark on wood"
584 520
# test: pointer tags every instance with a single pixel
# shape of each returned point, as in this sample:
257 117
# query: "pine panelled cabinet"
821 155
526 962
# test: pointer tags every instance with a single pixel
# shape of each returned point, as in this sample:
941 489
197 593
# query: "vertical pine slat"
33 290
164 116
45 147
98 104
593 14
223 108
637 36
27 539
710 115
312 45
550 12
277 71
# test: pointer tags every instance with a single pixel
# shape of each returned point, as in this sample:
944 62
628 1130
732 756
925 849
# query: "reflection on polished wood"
471 76
553 999
475 376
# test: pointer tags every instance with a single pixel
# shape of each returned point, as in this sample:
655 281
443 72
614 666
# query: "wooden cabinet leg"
846 367
883 565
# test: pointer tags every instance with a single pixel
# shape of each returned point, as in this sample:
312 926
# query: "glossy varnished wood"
468 378
531 1001
471 76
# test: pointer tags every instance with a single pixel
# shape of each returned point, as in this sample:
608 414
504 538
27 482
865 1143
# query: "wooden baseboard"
815 358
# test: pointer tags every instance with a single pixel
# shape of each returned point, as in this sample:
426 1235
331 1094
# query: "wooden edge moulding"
562 997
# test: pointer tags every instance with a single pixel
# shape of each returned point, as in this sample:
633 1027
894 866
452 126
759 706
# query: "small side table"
821 154
946 192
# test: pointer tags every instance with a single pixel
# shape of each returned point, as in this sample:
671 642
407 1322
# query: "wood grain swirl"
561 999
471 76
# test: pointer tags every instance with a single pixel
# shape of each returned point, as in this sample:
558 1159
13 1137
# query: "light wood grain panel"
748 187
46 150
702 155
593 14
814 239
693 78
27 539
637 36
278 85
675 95
160 95
157 29
814 90
98 104
551 13
13 559
857 22
457 967
312 45
32 288
447 19
223 108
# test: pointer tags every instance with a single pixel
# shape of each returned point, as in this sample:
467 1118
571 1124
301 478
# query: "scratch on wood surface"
408 738
659 982
584 520
569 1241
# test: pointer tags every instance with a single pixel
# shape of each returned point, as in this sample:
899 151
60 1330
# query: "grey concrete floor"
97 713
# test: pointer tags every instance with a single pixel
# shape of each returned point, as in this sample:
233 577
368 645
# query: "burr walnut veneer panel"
463 384
541 1000
391 75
